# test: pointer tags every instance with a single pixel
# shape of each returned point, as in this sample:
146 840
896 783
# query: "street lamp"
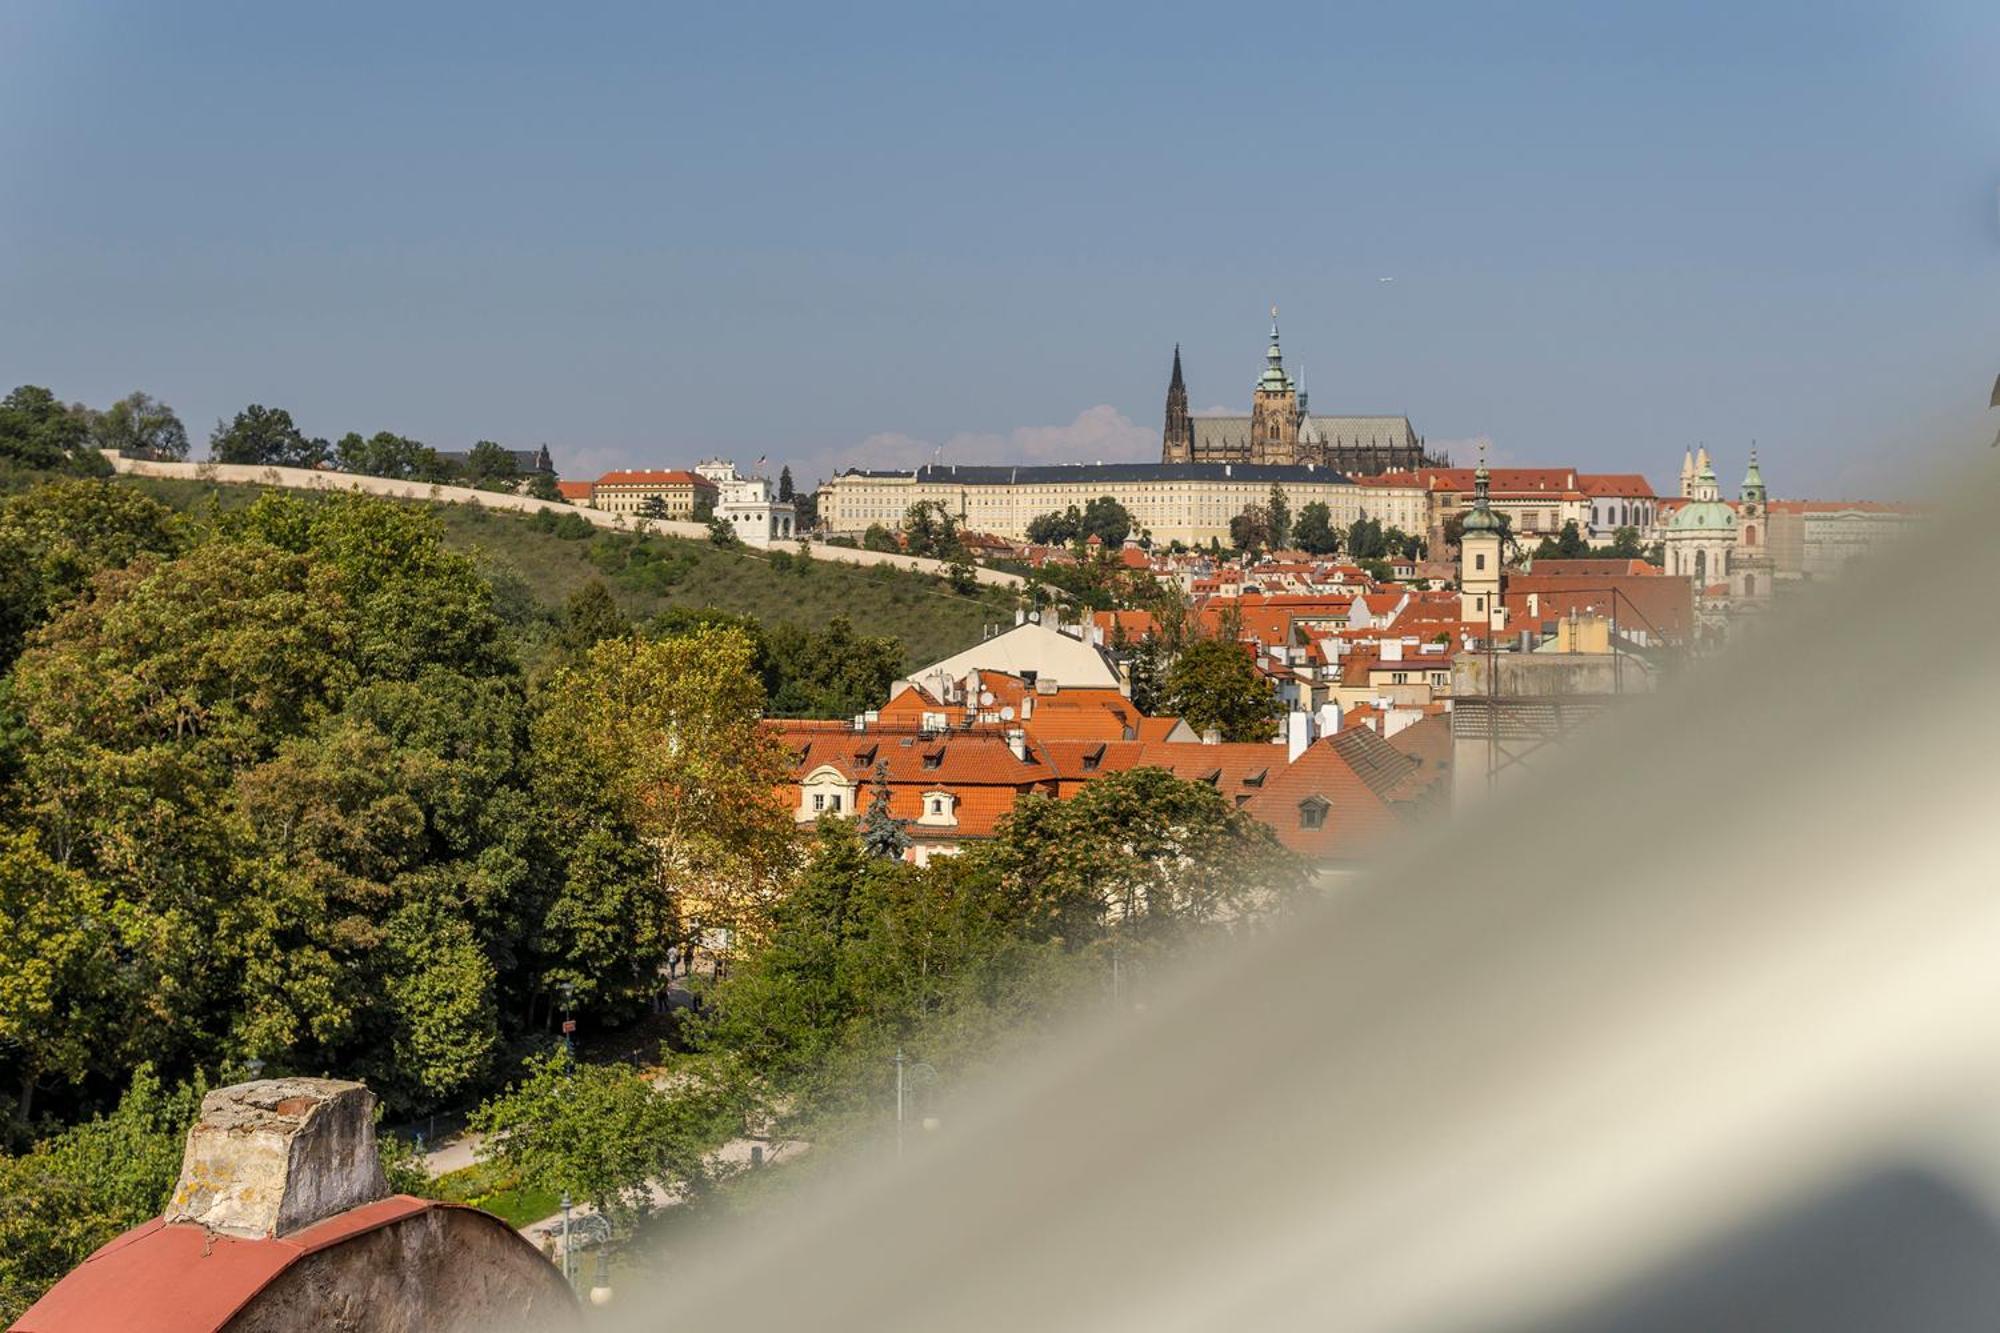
565 1236
569 1019
255 1068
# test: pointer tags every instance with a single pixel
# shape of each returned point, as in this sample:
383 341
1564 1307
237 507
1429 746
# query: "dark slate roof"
527 460
1086 474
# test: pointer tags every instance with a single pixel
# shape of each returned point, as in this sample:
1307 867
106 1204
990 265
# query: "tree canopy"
1214 684
265 436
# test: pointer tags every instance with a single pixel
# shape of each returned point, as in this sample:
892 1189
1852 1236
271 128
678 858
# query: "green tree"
139 425
601 1133
1314 532
1056 529
1365 539
786 495
258 752
1570 544
654 507
38 431
57 958
928 530
386 454
879 538
1251 529
833 672
265 436
492 467
1280 510
671 730
56 537
1142 853
1625 544
79 1189
1214 684
961 577
1107 520
882 834
541 486
591 616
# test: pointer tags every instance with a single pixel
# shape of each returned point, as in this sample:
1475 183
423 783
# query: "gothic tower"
1177 442
1274 408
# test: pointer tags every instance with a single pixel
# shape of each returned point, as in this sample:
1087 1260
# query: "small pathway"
734 1153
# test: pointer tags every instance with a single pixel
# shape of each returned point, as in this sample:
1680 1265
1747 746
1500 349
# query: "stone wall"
439 1271
315 479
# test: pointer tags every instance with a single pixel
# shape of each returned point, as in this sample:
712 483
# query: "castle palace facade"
1281 430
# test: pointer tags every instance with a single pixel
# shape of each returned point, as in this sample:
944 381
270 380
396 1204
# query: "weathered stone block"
270 1157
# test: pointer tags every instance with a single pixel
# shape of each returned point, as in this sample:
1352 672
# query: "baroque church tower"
1177 445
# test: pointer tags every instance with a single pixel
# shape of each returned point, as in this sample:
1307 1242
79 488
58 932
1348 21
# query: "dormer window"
1092 758
1312 812
940 808
934 759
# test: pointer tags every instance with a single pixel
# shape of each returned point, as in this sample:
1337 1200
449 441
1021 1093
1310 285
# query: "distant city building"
1281 429
527 462
749 505
1816 538
1537 501
1186 502
680 493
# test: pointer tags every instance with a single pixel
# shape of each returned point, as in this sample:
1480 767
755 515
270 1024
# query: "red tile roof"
1620 485
1662 606
642 477
576 490
180 1277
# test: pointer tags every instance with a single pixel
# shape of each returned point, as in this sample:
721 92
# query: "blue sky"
855 234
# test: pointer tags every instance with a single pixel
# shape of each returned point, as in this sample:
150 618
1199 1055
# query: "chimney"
1017 743
1298 735
1212 736
268 1158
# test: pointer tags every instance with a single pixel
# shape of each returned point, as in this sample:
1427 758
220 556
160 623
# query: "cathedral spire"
1177 440
1274 379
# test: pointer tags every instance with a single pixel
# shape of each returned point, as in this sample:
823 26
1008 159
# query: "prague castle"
1280 429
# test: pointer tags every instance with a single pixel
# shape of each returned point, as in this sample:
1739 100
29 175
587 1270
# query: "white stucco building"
749 505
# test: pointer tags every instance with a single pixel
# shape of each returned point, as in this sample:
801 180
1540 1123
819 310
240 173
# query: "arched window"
1701 566
1749 585
1750 535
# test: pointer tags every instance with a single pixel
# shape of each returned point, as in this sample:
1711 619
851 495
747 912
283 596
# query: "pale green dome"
1703 516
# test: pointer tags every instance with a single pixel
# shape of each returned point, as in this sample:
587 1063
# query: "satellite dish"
986 698
1007 713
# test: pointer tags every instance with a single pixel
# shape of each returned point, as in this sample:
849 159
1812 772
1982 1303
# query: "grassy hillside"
650 574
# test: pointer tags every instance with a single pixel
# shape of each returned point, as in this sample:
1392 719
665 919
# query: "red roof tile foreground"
179 1277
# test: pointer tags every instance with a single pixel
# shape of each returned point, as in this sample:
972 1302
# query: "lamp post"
569 1019
255 1067
566 1271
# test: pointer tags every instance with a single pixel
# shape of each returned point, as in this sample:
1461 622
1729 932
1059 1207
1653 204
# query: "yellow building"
1185 502
628 492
